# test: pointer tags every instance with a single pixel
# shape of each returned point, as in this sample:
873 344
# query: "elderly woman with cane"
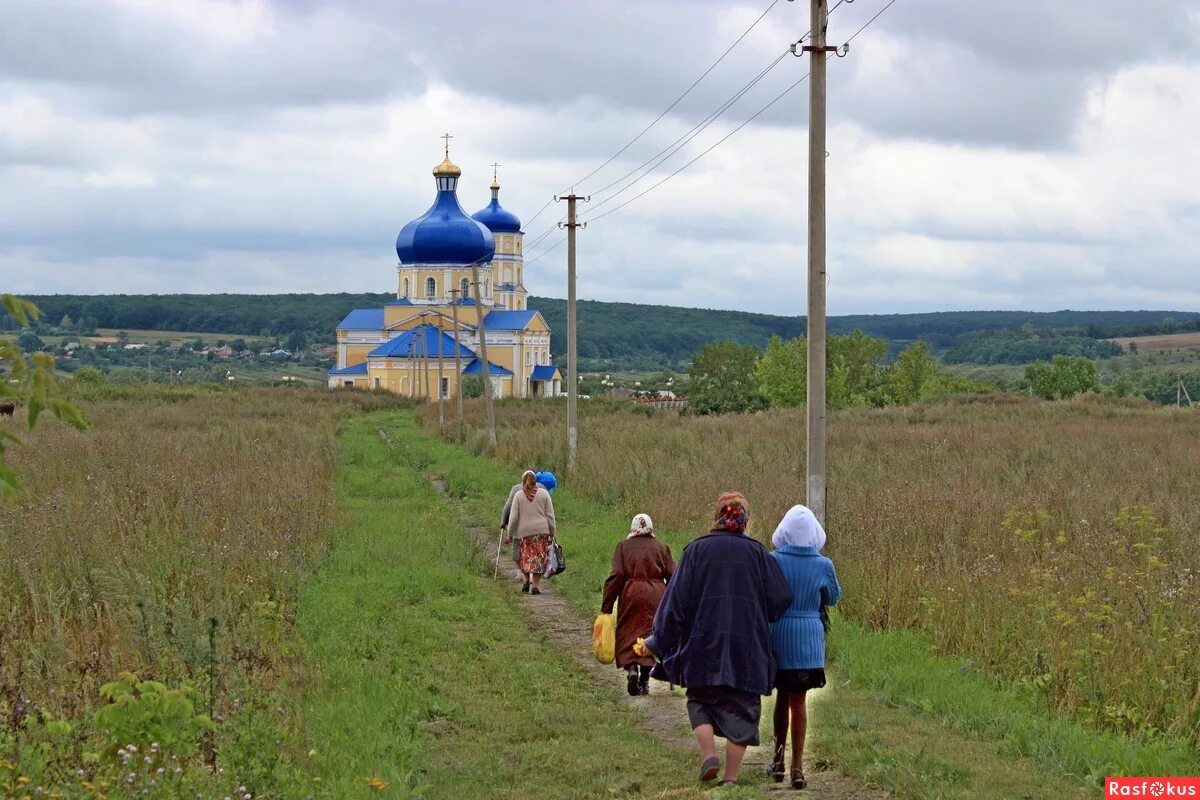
798 637
641 567
531 524
712 635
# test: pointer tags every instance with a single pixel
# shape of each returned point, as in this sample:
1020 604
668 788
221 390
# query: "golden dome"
494 185
447 169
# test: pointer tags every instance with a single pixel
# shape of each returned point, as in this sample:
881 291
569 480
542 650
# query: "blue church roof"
545 372
496 217
476 368
402 301
421 342
354 369
508 320
445 234
363 319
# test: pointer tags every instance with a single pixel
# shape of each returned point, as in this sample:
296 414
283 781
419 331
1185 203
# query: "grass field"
1052 545
895 713
312 622
168 541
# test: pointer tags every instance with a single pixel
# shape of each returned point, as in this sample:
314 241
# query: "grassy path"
427 681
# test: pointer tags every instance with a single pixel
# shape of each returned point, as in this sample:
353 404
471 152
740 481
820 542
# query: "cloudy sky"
982 153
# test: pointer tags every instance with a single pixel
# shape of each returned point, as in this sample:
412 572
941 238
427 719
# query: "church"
423 342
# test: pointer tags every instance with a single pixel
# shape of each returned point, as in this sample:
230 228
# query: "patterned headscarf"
642 525
529 484
733 513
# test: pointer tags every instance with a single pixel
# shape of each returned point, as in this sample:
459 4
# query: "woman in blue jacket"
798 637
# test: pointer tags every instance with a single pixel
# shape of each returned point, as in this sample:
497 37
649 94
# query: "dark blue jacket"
713 624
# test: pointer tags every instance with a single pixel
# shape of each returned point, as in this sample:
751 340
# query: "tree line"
630 335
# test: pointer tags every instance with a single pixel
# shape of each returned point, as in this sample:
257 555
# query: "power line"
679 99
720 141
547 250
679 143
668 109
658 158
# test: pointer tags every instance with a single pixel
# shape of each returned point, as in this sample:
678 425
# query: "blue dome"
496 217
445 234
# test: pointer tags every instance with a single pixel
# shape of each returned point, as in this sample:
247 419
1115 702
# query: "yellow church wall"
357 353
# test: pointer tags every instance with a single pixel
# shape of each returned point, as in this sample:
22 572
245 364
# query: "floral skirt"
533 553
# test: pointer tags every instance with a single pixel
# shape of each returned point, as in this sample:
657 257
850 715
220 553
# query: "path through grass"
427 681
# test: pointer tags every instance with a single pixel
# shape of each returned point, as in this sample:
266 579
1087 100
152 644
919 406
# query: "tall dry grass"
1053 544
182 520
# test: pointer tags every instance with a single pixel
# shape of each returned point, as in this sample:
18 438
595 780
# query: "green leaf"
23 311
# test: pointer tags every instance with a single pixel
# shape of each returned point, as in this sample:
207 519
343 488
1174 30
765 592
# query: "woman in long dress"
641 567
531 523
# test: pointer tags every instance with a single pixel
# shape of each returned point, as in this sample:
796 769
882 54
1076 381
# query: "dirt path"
663 712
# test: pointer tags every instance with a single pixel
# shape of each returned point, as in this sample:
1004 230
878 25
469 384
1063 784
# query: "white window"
376 381
518 276
487 287
464 288
528 358
445 387
406 287
518 246
431 287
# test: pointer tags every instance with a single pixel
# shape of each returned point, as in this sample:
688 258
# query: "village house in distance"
399 347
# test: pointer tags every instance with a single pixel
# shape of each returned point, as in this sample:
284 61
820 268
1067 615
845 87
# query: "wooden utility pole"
572 334
457 354
817 436
486 366
440 393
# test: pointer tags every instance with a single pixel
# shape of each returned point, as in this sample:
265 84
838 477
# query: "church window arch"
487 287
431 287
406 287
464 287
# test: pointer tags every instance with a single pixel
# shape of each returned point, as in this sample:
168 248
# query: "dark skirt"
732 712
799 680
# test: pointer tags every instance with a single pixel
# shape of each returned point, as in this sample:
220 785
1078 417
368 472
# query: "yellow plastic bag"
604 638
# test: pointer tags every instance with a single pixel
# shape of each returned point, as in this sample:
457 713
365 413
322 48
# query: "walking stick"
499 545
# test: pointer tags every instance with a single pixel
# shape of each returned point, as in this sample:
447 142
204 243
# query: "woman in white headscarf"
641 567
798 637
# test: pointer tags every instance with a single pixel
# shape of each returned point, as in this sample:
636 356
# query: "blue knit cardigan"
798 637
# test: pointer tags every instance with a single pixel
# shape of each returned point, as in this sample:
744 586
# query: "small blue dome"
496 217
445 234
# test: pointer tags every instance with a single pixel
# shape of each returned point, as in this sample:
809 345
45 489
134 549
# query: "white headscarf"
799 528
641 525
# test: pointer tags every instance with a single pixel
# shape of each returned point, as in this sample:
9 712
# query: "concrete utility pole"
487 366
817 436
572 336
457 354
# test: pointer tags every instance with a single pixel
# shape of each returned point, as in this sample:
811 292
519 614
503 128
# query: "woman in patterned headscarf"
711 634
641 567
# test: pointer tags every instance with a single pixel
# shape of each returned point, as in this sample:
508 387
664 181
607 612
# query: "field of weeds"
167 542
1051 545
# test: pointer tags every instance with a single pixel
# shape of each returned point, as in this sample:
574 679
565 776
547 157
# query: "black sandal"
777 770
798 779
525 587
535 590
